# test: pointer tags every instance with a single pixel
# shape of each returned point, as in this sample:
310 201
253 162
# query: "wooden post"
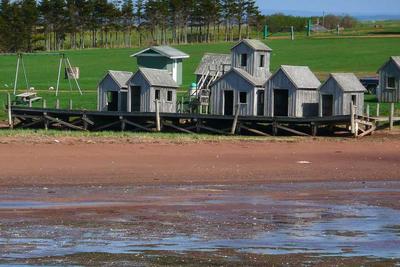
158 122
85 123
292 33
10 119
314 129
44 103
320 106
123 125
353 128
57 103
46 121
391 114
274 129
70 104
368 111
235 120
378 105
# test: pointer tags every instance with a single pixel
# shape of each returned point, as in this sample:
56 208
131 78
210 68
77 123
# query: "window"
243 60
243 98
157 95
169 96
391 82
262 59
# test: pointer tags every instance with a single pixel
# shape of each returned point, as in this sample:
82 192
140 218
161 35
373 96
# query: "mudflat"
73 162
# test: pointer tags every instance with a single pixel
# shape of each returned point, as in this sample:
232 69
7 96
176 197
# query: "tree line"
28 25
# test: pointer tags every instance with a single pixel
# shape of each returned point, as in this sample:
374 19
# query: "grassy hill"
362 56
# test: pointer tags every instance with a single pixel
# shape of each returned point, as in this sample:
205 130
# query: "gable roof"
301 76
394 59
348 82
158 78
120 77
255 44
212 62
165 51
255 81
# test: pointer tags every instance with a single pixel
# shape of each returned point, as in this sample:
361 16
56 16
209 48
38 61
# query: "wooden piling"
57 103
235 120
158 120
70 104
44 103
368 111
391 114
10 119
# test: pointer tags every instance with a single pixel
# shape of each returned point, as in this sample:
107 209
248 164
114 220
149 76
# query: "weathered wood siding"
385 94
233 82
301 103
147 96
109 85
253 60
341 100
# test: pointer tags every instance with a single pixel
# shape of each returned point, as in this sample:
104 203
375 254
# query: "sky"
307 7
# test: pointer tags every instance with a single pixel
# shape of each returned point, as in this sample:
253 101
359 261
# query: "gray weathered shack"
238 87
113 90
213 65
337 94
163 58
389 81
148 85
253 56
292 91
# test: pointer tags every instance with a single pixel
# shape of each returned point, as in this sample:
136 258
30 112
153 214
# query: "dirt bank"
220 162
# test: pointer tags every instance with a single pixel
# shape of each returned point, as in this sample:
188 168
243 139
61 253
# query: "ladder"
203 92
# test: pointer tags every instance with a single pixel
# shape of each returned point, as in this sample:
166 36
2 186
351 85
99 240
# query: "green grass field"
362 56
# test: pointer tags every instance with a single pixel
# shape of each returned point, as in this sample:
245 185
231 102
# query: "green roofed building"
163 58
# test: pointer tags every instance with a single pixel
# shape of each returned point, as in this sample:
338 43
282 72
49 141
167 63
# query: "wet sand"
314 202
222 162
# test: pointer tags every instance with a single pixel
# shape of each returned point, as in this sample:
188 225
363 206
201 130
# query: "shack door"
135 98
281 102
260 103
228 103
112 101
327 105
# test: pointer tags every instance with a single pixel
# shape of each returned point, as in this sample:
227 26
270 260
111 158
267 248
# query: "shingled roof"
301 76
348 82
164 50
213 62
120 77
255 44
255 81
159 78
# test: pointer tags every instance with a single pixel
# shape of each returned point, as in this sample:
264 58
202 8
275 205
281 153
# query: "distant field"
362 56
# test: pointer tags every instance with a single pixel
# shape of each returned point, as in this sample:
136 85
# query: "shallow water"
328 227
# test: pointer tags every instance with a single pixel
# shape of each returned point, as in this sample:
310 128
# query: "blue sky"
369 7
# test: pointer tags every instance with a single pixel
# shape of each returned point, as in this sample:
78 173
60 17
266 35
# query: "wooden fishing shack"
389 81
292 92
148 86
113 90
337 94
163 58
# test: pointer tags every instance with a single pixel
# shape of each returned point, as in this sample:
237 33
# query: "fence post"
10 119
158 123
44 103
70 104
57 103
391 114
